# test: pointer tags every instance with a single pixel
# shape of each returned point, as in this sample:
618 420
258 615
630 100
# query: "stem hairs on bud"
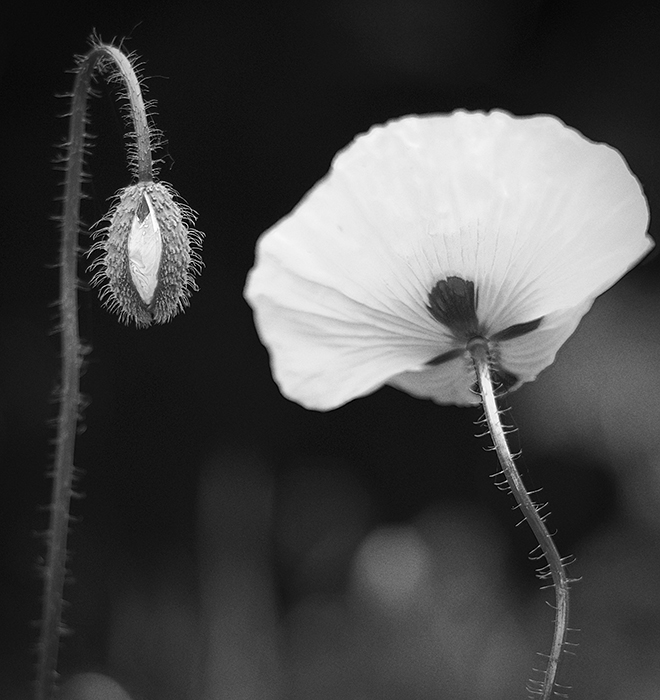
149 255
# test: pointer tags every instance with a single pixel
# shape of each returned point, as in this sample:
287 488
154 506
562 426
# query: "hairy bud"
149 255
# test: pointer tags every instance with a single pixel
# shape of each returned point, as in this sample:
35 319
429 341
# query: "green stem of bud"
555 567
101 57
142 147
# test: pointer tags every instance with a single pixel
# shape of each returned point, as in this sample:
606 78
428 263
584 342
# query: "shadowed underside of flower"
430 231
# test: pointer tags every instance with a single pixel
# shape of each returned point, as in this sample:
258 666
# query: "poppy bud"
149 255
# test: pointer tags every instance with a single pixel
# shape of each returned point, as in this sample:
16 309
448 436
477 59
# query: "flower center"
453 302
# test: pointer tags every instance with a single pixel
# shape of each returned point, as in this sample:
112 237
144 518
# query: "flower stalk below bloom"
555 567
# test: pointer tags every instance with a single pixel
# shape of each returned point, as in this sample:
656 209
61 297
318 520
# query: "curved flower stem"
54 571
478 348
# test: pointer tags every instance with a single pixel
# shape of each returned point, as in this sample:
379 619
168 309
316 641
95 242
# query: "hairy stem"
54 570
478 348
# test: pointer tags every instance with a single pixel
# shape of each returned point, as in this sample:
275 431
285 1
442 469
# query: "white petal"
145 247
528 355
448 383
328 348
536 215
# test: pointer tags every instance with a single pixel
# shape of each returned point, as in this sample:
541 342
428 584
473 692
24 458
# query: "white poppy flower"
429 231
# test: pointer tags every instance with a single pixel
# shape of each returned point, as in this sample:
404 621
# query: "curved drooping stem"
101 57
479 351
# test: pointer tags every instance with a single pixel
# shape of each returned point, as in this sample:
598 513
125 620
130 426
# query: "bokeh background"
233 545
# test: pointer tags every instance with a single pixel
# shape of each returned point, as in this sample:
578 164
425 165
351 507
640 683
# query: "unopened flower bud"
149 255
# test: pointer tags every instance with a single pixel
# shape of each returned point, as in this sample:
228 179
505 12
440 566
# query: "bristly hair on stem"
170 283
143 139
555 567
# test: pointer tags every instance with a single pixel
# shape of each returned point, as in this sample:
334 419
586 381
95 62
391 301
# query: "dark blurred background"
233 545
